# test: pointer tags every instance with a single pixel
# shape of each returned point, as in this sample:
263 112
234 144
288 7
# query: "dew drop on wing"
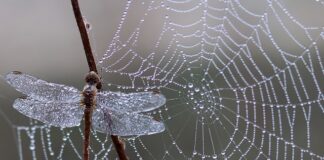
125 124
40 89
130 102
55 113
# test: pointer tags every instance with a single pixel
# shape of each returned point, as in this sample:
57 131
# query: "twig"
84 36
119 145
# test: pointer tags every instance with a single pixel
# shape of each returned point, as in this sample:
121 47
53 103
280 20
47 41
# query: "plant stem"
119 145
84 36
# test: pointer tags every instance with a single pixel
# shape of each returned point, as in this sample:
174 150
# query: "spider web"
243 80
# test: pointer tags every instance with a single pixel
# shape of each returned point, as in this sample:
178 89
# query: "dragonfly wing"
124 124
59 114
41 90
130 102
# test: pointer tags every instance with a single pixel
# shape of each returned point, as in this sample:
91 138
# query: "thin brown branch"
119 145
84 36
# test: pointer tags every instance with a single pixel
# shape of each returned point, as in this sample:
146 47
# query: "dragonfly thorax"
92 78
89 95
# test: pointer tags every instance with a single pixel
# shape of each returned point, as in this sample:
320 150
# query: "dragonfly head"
92 78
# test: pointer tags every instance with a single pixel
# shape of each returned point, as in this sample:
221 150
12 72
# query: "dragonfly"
113 113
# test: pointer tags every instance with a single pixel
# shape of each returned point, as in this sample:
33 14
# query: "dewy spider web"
242 81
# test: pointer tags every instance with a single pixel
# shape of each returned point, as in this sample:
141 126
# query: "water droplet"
190 85
197 89
32 147
322 35
88 26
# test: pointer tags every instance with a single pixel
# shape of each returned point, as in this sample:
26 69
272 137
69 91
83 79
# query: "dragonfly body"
90 90
58 105
89 101
113 113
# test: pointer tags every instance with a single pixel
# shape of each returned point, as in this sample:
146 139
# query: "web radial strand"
242 80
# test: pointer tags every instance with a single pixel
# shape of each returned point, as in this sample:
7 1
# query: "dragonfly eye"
92 78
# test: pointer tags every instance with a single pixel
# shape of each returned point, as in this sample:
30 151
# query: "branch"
119 145
84 35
